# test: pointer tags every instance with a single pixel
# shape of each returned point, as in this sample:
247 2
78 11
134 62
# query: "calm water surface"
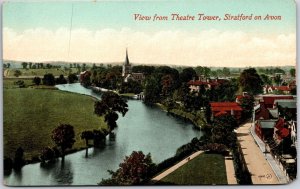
143 128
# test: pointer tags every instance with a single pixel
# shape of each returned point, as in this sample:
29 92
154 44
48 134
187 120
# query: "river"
144 128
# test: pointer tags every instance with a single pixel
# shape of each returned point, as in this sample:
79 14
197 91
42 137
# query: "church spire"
127 59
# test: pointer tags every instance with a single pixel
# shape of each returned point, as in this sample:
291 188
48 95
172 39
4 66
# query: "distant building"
127 73
226 108
208 83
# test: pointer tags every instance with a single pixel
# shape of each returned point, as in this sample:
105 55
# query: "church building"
127 73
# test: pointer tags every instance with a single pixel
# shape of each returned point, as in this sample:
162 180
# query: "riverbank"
197 120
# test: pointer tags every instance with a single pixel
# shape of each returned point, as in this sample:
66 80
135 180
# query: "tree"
63 136
152 90
266 79
17 73
277 80
222 130
135 169
72 77
49 79
37 80
108 106
293 72
47 154
247 104
250 81
167 85
87 135
187 74
24 64
19 158
30 65
61 80
226 72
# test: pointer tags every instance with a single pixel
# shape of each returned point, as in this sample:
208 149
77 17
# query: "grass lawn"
206 169
40 72
10 83
30 115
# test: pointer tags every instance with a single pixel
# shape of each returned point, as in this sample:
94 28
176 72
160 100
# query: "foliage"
250 81
108 106
20 83
48 154
187 74
131 87
17 73
72 78
152 90
63 136
293 72
277 79
49 79
247 104
7 164
85 79
19 158
222 130
147 70
61 80
37 80
167 83
203 71
266 79
134 170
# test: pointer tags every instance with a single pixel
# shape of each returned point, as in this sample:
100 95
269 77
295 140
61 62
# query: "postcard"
147 92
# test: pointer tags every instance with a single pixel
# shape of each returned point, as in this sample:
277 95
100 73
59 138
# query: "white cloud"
210 47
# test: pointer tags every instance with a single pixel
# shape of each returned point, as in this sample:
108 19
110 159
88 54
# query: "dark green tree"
266 79
49 79
152 90
250 81
61 80
187 74
293 72
72 77
87 135
108 106
247 104
37 80
277 80
17 73
63 136
222 130
24 65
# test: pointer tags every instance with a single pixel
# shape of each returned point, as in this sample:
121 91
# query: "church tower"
126 66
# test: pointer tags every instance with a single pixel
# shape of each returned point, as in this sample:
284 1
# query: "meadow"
31 114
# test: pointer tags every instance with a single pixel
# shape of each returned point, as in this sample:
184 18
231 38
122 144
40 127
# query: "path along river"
143 128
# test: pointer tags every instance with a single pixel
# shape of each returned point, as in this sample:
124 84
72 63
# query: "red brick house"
230 108
269 100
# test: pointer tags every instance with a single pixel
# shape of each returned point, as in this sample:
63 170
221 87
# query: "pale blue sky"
102 14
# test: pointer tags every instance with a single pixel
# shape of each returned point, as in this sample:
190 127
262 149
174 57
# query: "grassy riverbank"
30 115
206 169
197 118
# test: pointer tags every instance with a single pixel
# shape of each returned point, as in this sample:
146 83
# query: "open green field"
40 72
30 115
10 83
206 169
